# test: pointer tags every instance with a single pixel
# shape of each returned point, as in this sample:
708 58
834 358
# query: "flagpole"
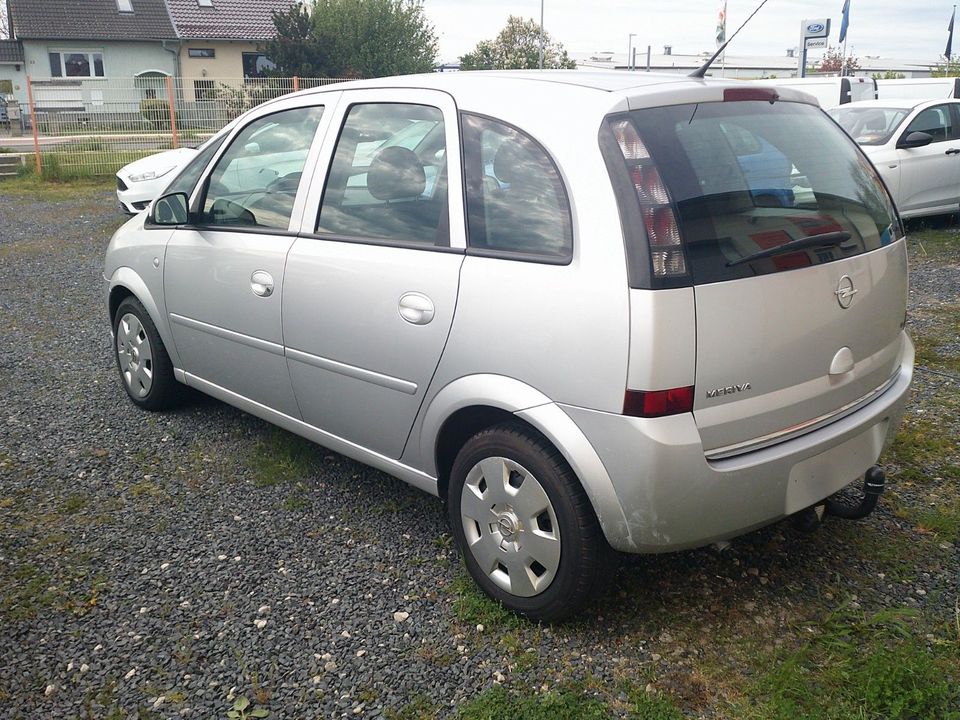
843 64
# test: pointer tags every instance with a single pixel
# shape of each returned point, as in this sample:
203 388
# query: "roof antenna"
702 70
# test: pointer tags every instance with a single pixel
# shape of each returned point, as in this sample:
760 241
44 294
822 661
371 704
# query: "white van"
919 88
831 91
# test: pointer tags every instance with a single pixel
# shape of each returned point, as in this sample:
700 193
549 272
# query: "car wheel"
145 368
524 526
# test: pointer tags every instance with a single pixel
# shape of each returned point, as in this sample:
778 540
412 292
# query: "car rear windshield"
736 189
869 125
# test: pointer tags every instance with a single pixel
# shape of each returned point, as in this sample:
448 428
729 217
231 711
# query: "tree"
517 47
4 23
834 62
946 67
888 75
353 38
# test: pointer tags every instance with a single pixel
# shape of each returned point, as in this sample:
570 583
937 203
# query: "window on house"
202 52
76 64
203 90
256 65
205 3
125 6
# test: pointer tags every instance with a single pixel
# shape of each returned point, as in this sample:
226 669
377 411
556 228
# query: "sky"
885 28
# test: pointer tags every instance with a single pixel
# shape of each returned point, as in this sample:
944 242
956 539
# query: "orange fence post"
296 83
33 124
173 113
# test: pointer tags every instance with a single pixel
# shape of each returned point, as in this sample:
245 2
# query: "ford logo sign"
815 28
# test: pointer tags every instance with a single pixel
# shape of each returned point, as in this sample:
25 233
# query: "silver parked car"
591 312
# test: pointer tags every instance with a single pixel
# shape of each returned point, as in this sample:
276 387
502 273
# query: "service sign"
819 28
816 43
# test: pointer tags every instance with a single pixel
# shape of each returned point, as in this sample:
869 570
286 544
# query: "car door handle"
416 308
261 282
953 151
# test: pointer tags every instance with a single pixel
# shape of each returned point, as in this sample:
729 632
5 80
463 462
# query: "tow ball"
842 507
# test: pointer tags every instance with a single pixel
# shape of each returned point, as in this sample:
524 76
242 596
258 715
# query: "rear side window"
736 189
516 201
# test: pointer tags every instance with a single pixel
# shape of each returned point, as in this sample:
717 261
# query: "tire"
524 526
146 372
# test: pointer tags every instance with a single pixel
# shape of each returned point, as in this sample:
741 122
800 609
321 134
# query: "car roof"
898 103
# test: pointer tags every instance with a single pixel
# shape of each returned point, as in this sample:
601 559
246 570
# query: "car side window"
936 122
516 201
388 178
255 181
188 177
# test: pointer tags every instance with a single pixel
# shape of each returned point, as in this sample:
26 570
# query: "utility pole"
541 34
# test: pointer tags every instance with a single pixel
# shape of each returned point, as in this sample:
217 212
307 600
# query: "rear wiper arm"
823 239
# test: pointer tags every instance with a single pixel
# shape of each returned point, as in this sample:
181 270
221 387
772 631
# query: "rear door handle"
261 283
416 308
953 151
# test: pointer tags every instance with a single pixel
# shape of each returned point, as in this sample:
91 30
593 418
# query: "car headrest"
509 162
396 173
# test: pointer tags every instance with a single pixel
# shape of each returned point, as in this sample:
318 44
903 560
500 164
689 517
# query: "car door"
371 283
930 175
223 273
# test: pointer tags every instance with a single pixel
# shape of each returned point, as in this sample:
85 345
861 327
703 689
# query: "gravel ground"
148 571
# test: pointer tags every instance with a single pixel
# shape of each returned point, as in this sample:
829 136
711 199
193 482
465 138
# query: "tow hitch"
873 483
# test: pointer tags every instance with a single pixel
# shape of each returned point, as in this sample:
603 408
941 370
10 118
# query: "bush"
156 112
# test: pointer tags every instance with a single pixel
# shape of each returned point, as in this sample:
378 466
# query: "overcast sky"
888 28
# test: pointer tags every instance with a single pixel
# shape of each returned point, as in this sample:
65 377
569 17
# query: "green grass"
283 458
867 668
420 707
572 702
29 184
472 607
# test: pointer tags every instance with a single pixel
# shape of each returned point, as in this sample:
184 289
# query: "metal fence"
94 126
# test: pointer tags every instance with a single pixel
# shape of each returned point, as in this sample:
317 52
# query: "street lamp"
630 50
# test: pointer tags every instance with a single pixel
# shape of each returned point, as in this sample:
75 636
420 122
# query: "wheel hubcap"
510 526
134 355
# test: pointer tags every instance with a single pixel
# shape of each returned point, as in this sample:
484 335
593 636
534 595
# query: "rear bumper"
673 497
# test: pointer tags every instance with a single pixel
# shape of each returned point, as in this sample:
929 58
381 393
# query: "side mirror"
172 209
915 140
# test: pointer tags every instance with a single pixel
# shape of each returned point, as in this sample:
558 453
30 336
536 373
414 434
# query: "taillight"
657 403
656 207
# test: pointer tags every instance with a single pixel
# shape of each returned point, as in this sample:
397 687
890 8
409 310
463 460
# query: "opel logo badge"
845 291
507 528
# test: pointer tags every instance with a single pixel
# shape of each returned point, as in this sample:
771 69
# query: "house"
65 42
221 39
12 75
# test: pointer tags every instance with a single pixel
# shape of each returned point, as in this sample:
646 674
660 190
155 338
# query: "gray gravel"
147 574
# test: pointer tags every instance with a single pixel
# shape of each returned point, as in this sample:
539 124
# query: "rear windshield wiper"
821 240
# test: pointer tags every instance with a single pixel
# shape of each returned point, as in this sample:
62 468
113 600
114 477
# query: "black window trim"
508 254
383 242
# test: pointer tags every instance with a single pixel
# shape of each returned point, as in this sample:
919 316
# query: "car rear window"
736 189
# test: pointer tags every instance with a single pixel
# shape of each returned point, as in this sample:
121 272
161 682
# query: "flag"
845 22
722 24
949 51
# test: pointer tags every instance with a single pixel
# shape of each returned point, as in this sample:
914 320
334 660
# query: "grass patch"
419 708
924 242
74 504
932 341
472 607
29 184
282 458
497 703
868 668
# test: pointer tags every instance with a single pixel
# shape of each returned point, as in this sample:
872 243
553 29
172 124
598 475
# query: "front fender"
128 278
535 408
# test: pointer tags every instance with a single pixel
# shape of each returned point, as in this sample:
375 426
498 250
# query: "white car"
143 180
915 147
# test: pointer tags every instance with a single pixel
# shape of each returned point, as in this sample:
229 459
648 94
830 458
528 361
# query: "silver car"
591 312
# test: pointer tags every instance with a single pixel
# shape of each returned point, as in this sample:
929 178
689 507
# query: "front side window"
728 190
255 181
188 177
516 201
935 122
869 125
388 179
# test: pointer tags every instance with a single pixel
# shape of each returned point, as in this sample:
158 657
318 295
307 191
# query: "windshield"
761 188
869 125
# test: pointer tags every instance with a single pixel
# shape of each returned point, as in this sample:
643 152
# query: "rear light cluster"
666 252
657 403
